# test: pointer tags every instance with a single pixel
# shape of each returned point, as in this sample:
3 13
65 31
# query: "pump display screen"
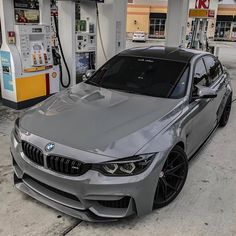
37 47
37 30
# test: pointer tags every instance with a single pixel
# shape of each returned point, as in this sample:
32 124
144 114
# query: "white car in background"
139 36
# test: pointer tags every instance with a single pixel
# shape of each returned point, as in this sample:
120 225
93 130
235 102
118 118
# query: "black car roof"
161 52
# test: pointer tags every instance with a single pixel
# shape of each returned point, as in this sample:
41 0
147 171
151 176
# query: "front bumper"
90 197
140 39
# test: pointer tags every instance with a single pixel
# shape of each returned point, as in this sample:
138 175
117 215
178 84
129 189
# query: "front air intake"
122 203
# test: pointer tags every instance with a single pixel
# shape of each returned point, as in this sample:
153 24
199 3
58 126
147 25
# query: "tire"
226 113
172 178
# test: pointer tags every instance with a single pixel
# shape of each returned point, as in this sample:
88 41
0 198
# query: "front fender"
173 134
165 142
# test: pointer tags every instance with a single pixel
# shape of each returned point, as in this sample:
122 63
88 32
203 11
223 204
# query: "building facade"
150 16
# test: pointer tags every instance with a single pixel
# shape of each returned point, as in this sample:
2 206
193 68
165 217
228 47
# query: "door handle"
223 82
209 100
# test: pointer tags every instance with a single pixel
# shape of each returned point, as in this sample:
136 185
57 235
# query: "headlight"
16 130
126 167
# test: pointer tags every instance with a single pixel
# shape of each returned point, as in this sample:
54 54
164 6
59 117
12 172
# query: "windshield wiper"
93 83
131 91
124 90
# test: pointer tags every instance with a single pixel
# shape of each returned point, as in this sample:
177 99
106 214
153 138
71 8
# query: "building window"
157 25
234 31
223 30
223 27
130 1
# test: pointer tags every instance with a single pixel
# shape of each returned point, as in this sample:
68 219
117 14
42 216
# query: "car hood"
99 120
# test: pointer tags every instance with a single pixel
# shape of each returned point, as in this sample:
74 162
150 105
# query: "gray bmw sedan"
119 143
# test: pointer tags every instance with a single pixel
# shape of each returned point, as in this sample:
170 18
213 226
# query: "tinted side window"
200 74
180 88
214 68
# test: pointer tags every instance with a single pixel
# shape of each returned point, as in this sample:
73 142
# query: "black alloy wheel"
172 178
226 113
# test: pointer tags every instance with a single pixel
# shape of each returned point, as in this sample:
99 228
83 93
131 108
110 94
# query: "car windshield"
152 77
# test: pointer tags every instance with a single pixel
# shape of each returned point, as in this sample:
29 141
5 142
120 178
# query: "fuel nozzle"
56 57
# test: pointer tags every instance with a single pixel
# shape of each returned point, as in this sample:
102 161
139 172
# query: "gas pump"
97 32
85 37
34 46
202 14
28 75
199 38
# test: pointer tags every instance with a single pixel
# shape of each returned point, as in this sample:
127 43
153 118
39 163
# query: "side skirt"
203 144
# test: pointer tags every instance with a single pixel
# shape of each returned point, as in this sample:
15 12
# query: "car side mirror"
88 74
197 78
203 92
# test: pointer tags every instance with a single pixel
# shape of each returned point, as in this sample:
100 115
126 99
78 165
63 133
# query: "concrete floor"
206 206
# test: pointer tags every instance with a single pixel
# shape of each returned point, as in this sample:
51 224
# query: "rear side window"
180 89
200 74
214 68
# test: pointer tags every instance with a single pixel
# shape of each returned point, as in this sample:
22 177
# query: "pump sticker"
26 11
6 70
26 4
23 16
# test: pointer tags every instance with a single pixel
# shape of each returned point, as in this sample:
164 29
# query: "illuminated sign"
201 13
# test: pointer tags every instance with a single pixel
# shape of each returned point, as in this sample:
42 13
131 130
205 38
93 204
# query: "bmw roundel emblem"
49 147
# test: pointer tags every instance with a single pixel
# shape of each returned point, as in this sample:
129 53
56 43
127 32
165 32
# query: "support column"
112 19
177 18
66 21
45 12
7 20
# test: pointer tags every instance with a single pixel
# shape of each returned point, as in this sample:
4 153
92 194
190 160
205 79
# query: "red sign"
11 37
211 13
11 34
202 4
